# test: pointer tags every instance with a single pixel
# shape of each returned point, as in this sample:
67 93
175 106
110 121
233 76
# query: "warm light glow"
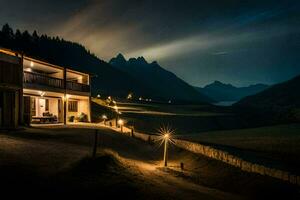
98 96
165 133
67 96
116 108
165 137
120 122
104 117
114 102
129 96
140 98
28 70
31 64
41 93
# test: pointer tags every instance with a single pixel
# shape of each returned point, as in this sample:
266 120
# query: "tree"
7 36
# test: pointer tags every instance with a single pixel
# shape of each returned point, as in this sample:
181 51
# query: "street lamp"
166 139
165 136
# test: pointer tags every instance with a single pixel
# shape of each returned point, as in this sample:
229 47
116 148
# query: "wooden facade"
11 90
23 79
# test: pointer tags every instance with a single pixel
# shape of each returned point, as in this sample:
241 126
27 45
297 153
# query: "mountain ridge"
157 78
219 91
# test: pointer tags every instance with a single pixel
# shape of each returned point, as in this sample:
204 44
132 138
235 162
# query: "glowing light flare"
121 122
41 93
116 108
165 133
28 70
31 64
165 137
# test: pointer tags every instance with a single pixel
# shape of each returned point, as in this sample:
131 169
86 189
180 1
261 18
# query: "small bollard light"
104 117
121 123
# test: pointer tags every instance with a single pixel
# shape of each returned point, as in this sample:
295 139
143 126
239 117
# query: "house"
33 91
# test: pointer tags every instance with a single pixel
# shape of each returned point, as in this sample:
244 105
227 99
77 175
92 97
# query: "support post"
65 96
166 153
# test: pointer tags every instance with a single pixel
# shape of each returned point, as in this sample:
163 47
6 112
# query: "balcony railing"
78 86
39 79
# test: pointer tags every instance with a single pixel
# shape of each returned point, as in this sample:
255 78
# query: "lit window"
72 106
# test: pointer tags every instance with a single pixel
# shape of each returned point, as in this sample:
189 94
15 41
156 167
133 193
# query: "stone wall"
226 158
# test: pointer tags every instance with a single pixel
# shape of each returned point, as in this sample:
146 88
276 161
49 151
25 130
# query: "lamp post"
121 123
166 139
104 117
117 115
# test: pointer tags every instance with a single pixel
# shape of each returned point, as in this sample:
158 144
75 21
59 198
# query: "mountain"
219 91
165 84
277 104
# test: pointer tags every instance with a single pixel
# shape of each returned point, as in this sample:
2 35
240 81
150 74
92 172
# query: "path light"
117 114
121 123
165 136
116 108
104 117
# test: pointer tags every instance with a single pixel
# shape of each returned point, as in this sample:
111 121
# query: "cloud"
220 53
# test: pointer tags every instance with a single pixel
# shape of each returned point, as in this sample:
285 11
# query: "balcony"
77 86
39 79
44 80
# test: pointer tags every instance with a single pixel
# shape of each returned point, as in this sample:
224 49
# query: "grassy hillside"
278 104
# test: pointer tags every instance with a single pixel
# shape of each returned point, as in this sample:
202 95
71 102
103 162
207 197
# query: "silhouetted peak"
120 57
142 60
118 60
219 84
154 63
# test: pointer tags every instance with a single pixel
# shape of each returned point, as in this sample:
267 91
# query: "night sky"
240 42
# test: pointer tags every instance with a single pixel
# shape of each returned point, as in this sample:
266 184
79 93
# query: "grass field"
185 119
276 146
